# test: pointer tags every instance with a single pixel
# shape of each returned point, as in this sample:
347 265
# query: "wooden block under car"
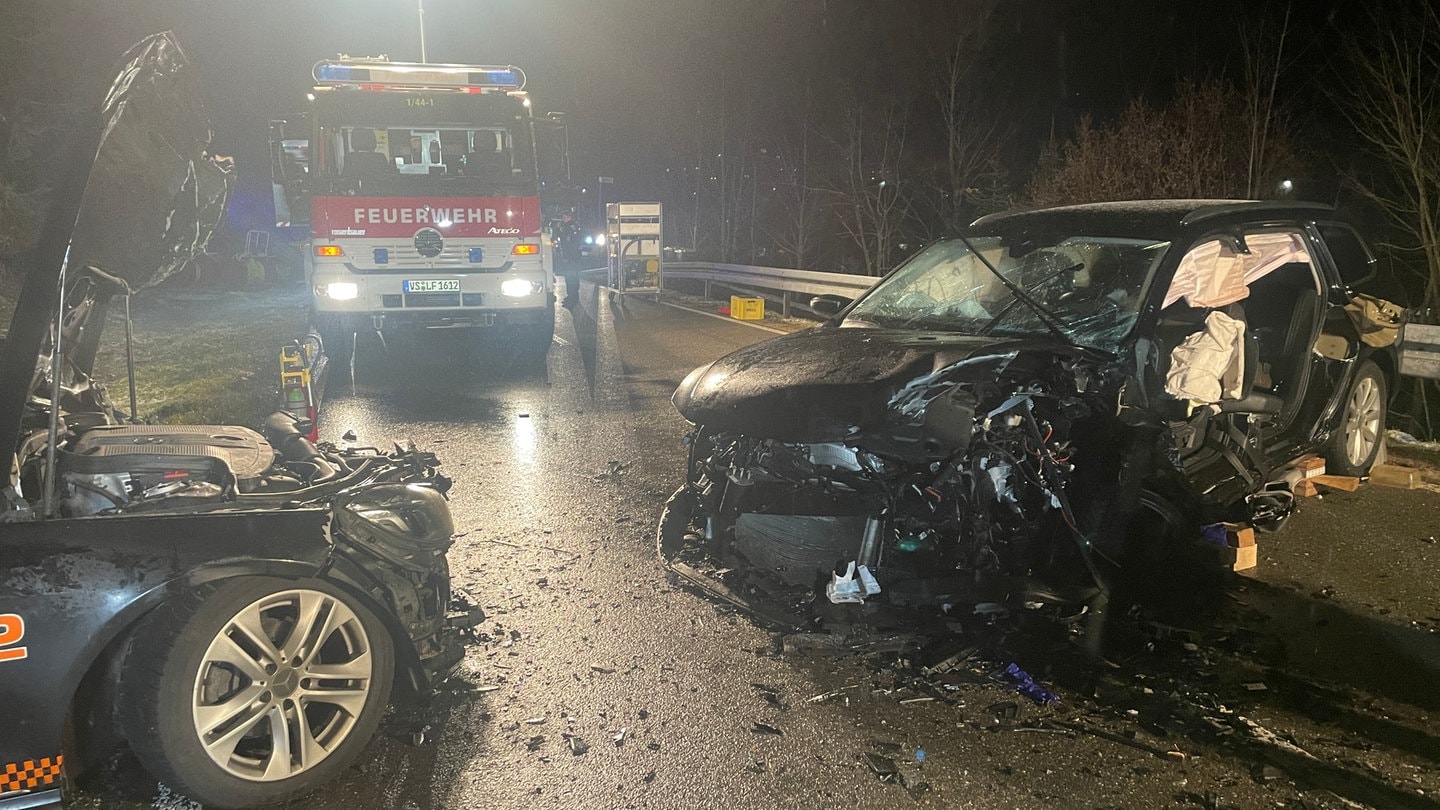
1309 466
1240 553
1305 488
1345 483
1392 475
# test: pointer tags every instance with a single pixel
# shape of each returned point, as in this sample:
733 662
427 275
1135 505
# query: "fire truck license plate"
424 285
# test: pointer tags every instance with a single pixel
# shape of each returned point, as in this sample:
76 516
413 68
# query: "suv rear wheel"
1356 443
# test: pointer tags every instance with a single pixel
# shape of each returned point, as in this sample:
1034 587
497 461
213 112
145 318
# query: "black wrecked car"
239 606
1016 417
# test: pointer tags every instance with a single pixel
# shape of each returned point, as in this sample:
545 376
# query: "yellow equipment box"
747 309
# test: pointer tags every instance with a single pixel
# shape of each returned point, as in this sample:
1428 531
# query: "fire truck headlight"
342 290
518 287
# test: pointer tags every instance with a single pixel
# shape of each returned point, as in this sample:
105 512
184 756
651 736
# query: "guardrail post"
784 304
707 289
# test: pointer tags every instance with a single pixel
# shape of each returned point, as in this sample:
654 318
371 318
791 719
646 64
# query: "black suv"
1017 414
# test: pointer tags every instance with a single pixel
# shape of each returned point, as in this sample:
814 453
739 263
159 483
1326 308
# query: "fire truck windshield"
408 144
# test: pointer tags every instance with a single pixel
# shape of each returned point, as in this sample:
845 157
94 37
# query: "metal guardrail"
1420 351
784 281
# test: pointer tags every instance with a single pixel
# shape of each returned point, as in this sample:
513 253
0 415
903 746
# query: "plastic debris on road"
1026 685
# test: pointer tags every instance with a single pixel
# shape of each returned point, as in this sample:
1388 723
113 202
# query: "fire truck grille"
432 299
429 242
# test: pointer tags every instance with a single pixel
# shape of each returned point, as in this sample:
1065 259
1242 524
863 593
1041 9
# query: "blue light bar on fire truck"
384 75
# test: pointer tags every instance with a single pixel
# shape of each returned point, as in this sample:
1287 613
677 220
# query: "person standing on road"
567 249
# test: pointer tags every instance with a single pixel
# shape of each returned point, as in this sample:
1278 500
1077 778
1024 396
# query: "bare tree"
973 128
1184 149
1394 104
1264 65
799 204
732 185
870 200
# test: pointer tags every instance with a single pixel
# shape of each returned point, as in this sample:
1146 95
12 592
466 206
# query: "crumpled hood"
826 383
139 197
154 194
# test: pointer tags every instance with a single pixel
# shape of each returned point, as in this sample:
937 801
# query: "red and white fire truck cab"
424 206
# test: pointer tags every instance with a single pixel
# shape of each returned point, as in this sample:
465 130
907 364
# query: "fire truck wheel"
255 690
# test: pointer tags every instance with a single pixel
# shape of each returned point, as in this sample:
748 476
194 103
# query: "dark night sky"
642 81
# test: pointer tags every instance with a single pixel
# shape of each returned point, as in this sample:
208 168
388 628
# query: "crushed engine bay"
964 499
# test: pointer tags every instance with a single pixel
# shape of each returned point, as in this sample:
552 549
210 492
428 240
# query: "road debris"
765 728
834 693
883 767
1026 685
1162 753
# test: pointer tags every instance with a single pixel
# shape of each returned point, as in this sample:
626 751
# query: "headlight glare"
517 287
342 290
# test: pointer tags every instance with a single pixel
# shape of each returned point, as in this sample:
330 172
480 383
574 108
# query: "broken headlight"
398 521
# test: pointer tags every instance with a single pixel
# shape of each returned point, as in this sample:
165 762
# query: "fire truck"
420 185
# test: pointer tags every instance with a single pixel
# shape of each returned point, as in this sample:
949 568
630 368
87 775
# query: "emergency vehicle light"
378 75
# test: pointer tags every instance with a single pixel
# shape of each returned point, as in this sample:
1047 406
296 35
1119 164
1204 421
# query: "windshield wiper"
1046 317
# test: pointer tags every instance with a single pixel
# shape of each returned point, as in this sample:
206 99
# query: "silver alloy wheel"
1362 421
282 684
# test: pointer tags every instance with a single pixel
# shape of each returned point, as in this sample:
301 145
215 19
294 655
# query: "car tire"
221 696
1354 446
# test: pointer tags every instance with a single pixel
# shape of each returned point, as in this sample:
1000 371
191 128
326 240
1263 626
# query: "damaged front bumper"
798 531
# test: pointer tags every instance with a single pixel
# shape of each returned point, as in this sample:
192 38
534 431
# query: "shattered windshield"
1088 286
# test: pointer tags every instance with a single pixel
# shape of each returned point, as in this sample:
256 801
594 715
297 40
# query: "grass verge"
206 358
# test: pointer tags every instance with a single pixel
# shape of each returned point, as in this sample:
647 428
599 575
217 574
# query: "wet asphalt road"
1316 679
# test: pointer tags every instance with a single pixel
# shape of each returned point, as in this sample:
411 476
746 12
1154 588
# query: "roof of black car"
1144 217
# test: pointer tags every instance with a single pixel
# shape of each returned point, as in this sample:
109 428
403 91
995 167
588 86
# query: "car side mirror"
828 305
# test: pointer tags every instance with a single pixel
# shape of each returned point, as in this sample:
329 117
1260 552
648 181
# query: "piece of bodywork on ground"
991 424
235 604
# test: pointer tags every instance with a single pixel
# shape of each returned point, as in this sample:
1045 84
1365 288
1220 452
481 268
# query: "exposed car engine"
962 499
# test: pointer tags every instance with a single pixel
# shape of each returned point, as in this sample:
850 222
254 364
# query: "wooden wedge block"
1346 483
1311 465
1392 475
1305 488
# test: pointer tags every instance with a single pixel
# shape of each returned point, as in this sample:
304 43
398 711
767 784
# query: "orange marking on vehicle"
30 774
12 630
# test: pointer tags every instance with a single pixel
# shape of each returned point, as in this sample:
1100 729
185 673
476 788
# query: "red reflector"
173 474
525 250
329 251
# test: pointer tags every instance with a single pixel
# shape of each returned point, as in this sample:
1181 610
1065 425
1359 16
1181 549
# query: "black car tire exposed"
1362 419
163 695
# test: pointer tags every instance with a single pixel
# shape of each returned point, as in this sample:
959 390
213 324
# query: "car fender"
78 585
